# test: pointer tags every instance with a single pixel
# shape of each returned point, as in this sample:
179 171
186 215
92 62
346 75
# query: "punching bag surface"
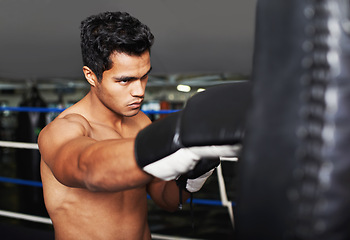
295 169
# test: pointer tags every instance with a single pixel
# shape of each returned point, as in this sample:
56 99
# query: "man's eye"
123 81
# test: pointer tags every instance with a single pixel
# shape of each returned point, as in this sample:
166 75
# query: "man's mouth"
136 104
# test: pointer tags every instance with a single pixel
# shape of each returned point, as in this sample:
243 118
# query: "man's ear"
90 76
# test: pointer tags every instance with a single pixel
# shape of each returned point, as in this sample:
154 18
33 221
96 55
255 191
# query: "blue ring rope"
48 110
39 184
21 182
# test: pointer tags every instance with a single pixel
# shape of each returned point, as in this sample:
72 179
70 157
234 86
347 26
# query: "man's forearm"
111 166
172 196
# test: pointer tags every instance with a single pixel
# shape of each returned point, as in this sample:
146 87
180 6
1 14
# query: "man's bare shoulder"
66 119
73 118
65 126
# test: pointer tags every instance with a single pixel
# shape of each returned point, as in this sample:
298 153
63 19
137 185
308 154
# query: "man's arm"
77 160
166 194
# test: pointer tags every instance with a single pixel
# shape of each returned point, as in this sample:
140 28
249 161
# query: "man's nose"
138 88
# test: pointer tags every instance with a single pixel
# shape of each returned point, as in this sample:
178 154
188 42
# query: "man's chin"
132 113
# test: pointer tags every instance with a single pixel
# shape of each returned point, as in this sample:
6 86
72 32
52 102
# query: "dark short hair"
110 32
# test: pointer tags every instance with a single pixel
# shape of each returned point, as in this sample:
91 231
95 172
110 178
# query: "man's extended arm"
77 160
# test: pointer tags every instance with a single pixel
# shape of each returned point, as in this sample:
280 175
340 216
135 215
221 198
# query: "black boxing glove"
211 125
194 180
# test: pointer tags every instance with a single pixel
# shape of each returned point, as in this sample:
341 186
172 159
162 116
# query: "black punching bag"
27 160
295 168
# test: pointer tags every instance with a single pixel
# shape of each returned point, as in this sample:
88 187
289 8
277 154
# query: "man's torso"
80 214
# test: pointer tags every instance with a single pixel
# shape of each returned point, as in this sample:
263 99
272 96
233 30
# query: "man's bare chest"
101 132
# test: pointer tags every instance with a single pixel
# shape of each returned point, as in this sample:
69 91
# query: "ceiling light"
183 88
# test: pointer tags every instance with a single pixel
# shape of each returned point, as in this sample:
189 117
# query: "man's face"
122 87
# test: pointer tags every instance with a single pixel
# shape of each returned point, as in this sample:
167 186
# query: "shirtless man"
95 185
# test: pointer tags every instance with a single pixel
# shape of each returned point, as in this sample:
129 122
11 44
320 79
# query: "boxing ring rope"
18 145
10 144
25 217
58 110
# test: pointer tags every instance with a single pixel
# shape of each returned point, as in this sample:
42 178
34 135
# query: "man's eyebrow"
150 69
129 78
